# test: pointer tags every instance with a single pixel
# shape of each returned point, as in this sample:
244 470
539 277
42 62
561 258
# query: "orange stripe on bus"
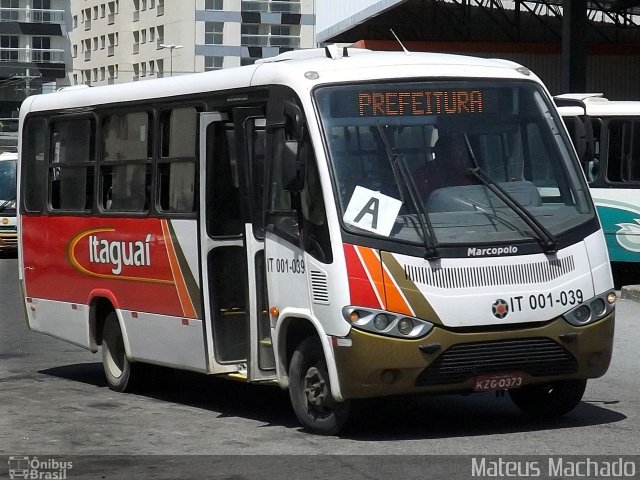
181 286
395 300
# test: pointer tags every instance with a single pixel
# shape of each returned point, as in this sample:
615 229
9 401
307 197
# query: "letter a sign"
372 211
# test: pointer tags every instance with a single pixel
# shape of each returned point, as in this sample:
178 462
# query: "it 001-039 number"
538 301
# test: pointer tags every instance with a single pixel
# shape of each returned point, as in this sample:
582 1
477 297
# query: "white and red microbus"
350 226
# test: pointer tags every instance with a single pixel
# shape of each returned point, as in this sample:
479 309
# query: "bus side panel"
620 214
63 320
164 340
140 261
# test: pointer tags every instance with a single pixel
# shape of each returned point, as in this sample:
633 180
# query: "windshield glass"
441 132
7 182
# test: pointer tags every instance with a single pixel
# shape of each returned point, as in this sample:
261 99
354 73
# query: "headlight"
381 321
386 323
592 310
405 326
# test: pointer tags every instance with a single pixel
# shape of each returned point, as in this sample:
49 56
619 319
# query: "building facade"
33 47
114 41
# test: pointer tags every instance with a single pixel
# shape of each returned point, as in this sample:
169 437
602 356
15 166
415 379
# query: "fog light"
405 326
381 321
354 316
582 314
598 306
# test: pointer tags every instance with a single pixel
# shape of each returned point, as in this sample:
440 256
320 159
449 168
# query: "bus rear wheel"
310 391
550 400
120 372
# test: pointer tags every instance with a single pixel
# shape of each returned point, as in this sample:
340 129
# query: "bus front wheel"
310 391
549 401
117 367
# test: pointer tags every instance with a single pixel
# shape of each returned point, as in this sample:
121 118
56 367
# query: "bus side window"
223 198
72 164
623 158
125 170
177 163
34 168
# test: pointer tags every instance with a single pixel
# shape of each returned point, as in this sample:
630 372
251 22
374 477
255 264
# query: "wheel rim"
316 393
116 357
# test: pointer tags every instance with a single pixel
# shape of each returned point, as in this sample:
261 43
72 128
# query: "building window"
152 34
75 51
10 10
214 5
213 63
41 49
247 61
75 21
9 48
213 33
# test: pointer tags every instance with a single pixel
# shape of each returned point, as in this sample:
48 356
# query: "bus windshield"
7 185
455 162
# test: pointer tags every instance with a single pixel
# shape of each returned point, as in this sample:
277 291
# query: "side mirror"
293 123
292 166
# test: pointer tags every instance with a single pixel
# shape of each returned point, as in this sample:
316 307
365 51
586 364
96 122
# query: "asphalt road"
54 401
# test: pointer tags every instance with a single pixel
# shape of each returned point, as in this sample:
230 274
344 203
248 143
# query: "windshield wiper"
403 177
545 238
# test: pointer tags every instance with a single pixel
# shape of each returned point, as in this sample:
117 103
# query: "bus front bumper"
446 361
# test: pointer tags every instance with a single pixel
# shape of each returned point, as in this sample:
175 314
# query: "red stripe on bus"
360 288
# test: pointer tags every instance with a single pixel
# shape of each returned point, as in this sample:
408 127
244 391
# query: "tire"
310 391
549 401
120 372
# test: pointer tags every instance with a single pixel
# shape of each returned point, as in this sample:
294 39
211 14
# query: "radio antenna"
406 52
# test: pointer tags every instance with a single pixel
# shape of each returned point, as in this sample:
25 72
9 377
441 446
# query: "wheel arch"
101 303
291 329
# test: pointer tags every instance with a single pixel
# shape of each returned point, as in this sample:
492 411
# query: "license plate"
503 381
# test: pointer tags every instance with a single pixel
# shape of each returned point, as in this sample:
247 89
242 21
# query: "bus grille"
535 356
493 275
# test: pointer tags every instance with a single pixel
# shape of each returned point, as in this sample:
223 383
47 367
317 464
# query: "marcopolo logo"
500 308
491 251
38 469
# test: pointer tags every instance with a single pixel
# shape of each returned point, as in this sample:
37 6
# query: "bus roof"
288 69
597 105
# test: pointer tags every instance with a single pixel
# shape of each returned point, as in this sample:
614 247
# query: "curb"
630 292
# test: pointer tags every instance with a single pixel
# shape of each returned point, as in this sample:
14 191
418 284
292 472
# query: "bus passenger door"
232 252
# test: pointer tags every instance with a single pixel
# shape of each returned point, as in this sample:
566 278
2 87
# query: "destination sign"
416 103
